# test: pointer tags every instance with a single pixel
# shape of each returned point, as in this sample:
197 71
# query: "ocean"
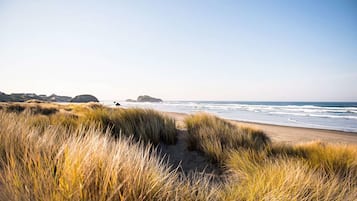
341 116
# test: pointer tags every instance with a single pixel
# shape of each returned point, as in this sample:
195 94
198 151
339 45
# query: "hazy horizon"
188 100
183 50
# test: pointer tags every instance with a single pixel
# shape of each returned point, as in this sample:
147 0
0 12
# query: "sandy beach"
289 134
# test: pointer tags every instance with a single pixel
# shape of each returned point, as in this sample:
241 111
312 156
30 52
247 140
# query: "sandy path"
179 156
290 134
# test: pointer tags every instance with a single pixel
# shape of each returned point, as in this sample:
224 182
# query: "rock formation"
85 98
147 98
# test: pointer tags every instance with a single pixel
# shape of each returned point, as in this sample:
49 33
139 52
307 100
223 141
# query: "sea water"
340 116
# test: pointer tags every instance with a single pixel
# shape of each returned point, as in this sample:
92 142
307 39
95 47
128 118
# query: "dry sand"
290 134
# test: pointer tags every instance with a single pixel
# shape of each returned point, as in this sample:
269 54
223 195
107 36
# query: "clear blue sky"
182 50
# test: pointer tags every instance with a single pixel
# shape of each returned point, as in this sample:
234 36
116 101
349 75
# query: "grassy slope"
47 158
267 171
217 137
89 152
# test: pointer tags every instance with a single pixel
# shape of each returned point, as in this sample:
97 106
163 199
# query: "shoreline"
288 134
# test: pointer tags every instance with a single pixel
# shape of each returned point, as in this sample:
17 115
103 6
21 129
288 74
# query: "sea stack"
85 98
146 98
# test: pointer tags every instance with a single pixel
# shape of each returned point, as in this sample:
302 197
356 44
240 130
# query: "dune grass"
283 178
145 125
263 170
216 137
335 159
85 164
90 152
30 107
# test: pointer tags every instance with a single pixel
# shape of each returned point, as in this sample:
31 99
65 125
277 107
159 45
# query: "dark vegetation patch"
15 108
42 110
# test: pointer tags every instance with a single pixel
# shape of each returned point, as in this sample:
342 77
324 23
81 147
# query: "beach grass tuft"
215 136
259 177
337 159
144 124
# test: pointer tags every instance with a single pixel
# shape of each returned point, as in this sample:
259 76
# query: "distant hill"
23 97
56 98
4 97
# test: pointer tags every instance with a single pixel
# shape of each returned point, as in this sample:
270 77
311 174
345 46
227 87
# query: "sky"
295 50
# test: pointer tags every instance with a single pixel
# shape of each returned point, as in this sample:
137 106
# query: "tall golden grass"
337 159
90 152
283 178
216 137
263 170
146 125
86 163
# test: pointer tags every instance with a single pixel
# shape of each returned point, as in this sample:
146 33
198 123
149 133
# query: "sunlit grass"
262 170
283 178
84 164
330 158
91 152
215 137
143 124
